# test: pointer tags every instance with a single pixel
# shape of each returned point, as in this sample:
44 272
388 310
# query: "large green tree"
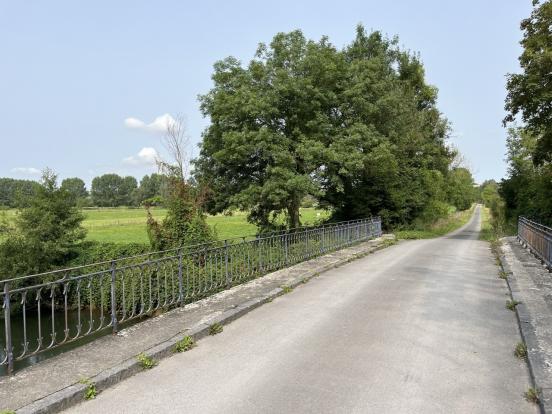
75 186
388 155
357 128
13 192
530 92
112 190
268 124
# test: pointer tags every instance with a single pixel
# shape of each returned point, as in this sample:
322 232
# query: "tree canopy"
356 128
529 92
13 192
112 190
75 186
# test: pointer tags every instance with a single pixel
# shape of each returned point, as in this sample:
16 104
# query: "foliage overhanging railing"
538 238
66 305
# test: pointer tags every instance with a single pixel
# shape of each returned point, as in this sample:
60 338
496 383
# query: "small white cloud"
146 156
159 124
26 170
134 123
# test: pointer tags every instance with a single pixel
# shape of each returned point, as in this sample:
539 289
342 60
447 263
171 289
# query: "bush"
94 252
185 222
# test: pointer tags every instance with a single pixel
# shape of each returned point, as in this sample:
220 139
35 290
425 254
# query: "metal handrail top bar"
539 226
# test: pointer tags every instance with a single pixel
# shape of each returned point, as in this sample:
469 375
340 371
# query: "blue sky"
72 72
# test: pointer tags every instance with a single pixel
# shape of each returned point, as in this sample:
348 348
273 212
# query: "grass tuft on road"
511 304
520 350
532 395
215 329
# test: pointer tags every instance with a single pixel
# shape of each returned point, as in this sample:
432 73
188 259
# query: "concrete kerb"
528 337
74 394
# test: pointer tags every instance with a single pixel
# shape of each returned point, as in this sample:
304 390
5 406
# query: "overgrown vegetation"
185 344
145 361
215 328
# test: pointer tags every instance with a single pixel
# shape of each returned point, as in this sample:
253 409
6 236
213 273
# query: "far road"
419 327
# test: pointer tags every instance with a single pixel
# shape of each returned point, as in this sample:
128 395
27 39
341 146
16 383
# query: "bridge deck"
420 327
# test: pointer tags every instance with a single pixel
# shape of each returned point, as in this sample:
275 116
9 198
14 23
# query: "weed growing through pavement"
185 344
520 350
511 304
286 289
146 362
215 328
90 392
532 395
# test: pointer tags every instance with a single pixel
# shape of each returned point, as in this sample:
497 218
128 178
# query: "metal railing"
59 307
538 238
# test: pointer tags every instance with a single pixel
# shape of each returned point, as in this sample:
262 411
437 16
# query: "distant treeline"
108 190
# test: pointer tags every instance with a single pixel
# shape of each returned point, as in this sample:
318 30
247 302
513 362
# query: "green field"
127 225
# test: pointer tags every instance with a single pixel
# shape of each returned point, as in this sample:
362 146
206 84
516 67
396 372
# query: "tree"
356 128
268 122
112 190
46 233
14 192
75 186
460 188
151 187
529 92
388 156
527 191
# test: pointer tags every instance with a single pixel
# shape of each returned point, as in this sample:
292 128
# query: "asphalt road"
419 327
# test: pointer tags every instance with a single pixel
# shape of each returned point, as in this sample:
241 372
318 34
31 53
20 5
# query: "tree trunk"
293 213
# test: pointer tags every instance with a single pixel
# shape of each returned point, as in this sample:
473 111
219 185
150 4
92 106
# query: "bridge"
415 328
418 326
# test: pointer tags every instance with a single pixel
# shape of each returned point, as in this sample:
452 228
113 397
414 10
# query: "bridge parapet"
537 238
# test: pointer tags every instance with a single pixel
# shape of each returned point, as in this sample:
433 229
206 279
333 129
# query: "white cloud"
26 170
146 156
159 124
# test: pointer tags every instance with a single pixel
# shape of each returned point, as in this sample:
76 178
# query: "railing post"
226 272
7 322
260 254
113 299
286 258
180 283
307 253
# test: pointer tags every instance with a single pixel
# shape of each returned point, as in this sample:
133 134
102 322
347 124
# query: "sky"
87 88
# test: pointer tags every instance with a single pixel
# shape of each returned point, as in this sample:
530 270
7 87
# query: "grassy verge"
487 232
441 227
